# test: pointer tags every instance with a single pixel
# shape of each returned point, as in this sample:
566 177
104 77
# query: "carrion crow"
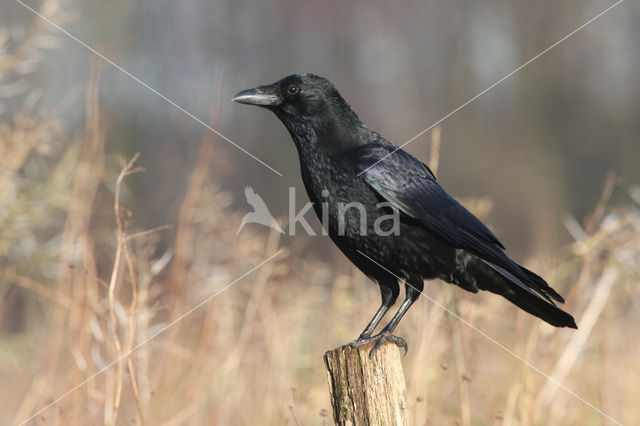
342 161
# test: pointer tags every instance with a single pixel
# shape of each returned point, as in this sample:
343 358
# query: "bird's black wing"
412 188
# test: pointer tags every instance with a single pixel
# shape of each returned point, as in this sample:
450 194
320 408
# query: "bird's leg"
389 295
374 322
412 291
389 291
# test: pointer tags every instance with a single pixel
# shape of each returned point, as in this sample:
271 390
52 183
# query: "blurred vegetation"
97 255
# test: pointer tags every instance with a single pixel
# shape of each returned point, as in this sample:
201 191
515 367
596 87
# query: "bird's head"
296 95
304 99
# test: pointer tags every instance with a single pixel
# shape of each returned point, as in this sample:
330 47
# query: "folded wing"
412 188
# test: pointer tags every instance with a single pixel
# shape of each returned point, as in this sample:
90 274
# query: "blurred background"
97 255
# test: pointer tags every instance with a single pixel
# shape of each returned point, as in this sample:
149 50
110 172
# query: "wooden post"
367 391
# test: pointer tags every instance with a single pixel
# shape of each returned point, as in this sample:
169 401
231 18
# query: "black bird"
342 161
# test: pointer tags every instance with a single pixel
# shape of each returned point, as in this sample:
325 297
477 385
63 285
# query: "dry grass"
81 289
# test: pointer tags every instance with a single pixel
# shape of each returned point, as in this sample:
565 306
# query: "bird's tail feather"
532 295
539 307
542 285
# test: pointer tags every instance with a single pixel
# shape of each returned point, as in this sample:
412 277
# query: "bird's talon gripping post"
379 339
361 341
375 348
399 341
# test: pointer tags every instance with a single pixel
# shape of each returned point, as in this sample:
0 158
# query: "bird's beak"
261 96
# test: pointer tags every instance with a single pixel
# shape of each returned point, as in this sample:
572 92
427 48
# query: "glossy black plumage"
438 237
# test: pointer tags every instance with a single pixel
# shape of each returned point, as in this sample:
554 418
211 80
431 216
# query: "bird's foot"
379 340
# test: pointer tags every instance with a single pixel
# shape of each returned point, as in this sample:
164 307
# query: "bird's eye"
292 89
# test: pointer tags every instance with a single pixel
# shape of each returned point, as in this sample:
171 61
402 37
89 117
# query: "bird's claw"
379 339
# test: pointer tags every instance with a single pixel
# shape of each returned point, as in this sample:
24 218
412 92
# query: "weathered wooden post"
367 391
